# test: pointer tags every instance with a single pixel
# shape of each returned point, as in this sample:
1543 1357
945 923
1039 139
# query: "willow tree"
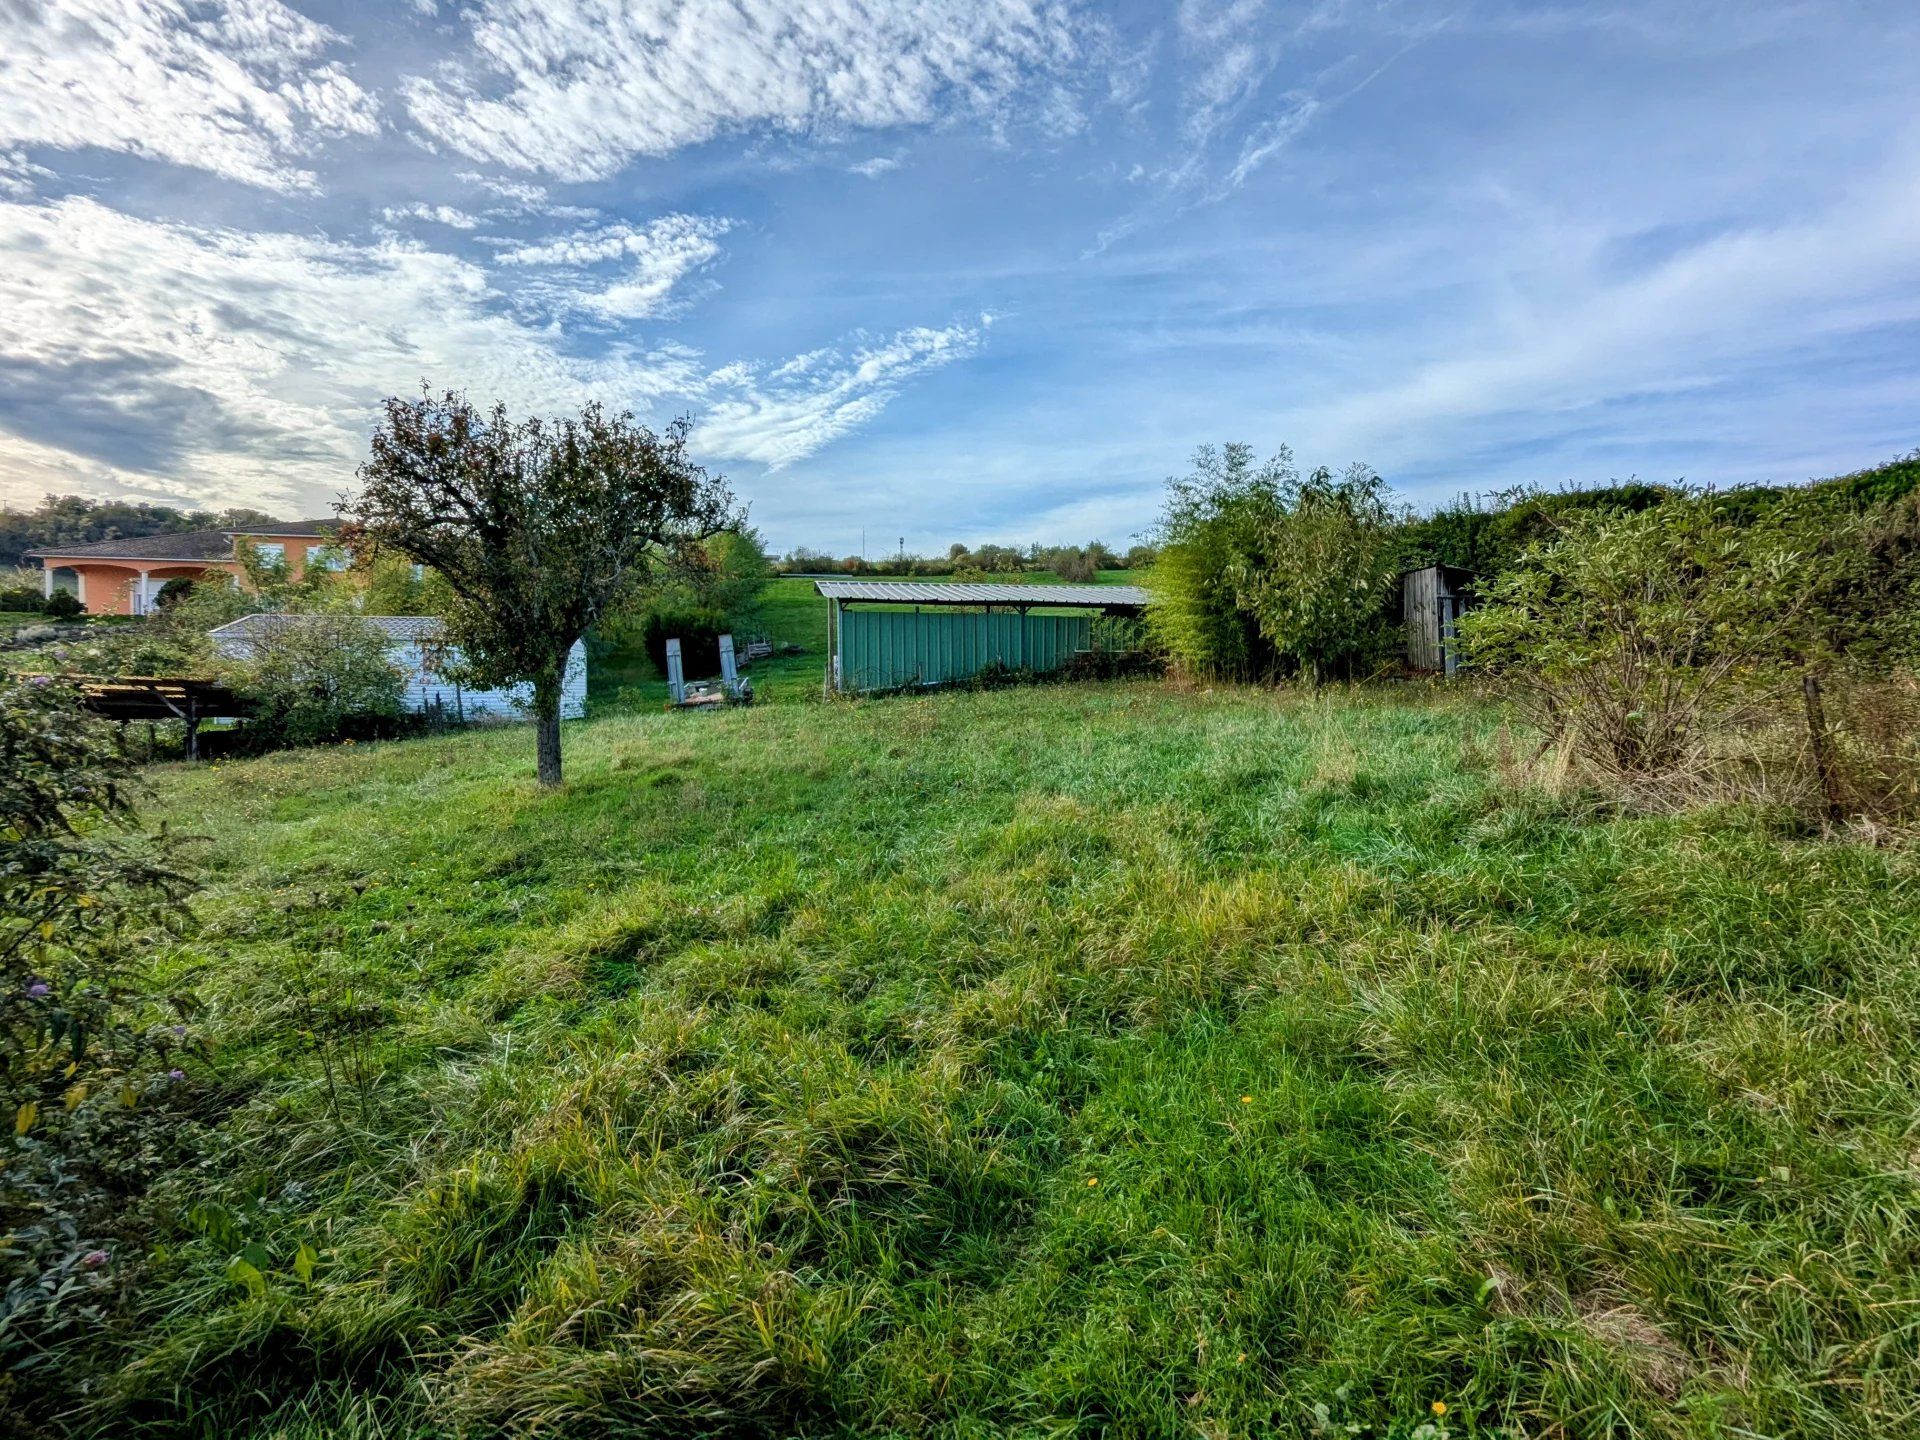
538 527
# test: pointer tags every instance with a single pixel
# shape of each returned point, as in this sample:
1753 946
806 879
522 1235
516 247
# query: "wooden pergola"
162 697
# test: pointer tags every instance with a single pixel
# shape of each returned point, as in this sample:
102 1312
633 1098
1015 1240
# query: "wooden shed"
1432 600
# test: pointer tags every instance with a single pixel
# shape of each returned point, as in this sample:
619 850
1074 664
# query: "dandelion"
1439 1407
1241 1358
1246 1099
1092 1180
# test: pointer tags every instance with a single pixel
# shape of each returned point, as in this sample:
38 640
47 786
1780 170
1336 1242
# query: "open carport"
898 634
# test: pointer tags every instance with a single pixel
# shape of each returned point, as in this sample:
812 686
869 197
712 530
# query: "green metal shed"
895 634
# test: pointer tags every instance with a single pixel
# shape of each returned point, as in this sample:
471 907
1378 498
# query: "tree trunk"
1822 744
546 727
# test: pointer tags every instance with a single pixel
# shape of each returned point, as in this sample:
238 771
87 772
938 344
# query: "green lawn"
1070 1060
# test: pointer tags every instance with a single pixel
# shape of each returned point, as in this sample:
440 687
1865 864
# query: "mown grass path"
1066 1060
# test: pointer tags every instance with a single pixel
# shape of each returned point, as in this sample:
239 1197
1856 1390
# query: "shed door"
1448 608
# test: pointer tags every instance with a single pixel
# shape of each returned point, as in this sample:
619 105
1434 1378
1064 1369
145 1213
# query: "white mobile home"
423 658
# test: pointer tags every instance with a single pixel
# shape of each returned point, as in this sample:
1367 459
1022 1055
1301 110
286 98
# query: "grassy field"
792 614
1060 1060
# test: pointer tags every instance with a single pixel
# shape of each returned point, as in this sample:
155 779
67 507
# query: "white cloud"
1231 49
221 366
664 253
237 87
447 215
18 174
879 165
792 410
523 193
578 87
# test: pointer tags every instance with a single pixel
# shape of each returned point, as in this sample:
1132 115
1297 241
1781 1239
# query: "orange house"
125 577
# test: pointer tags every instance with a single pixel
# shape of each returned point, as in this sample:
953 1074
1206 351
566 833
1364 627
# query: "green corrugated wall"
889 649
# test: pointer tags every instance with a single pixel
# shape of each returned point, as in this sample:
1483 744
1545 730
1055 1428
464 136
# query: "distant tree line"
77 520
1076 563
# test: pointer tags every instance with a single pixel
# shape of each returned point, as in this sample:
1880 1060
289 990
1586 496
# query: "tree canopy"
538 527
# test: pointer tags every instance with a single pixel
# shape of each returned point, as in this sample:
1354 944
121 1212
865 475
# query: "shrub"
1261 571
709 590
1319 572
1195 616
83 1078
698 632
318 678
1641 640
70 886
63 605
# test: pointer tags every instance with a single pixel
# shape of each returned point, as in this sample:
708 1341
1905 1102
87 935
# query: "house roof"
314 529
188 546
394 627
191 545
924 592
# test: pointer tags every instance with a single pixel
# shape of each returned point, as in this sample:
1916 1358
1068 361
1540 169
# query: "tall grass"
1084 1060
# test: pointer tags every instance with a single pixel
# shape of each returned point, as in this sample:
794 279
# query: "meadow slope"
1061 1060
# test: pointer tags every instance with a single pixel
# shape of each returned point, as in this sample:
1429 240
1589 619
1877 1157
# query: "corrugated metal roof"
395 627
930 592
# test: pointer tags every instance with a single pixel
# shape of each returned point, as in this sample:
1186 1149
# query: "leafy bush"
709 590
1262 571
317 678
1195 616
84 1074
1320 570
1641 640
71 889
1489 535
63 605
698 632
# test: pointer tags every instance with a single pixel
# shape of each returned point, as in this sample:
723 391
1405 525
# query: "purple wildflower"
39 989
95 1258
176 1074
40 682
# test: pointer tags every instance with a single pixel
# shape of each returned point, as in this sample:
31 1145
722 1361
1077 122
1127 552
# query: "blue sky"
961 271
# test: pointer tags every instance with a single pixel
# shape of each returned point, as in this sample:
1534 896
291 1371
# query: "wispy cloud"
218 365
237 87
779 415
663 254
1690 322
576 88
